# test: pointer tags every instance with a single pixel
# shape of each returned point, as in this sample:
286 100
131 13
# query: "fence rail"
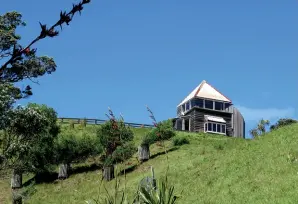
99 122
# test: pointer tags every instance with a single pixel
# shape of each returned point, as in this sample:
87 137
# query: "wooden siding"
197 118
238 124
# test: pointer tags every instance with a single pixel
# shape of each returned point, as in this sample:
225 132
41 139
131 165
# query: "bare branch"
51 32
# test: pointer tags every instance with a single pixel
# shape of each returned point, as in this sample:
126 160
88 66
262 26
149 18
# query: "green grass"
211 169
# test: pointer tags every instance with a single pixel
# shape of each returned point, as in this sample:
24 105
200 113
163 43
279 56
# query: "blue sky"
126 54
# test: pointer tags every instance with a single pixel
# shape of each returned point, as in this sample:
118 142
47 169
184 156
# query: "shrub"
148 139
124 152
72 147
163 131
178 141
282 122
115 138
166 130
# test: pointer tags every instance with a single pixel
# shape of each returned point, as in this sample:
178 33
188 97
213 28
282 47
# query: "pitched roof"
205 90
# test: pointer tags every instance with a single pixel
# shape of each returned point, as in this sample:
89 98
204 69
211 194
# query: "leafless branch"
65 18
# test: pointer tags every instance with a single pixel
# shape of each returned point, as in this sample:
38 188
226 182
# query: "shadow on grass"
162 153
85 169
50 177
128 170
132 168
47 177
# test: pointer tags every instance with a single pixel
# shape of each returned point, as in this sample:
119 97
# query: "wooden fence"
98 122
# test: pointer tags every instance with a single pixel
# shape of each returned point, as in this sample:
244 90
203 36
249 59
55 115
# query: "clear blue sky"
126 54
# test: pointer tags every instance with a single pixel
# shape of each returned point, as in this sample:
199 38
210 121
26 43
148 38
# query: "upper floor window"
219 106
197 102
227 105
187 106
208 104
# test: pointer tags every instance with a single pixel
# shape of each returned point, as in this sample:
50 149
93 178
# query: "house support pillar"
183 124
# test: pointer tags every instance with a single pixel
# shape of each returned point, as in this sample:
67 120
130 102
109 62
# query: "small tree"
263 124
28 142
162 131
71 147
144 147
115 137
260 129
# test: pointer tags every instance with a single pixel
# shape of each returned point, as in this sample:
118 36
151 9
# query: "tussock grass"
211 169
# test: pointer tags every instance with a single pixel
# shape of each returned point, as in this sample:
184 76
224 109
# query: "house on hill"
205 109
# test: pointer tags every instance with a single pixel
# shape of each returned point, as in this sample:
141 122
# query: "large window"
197 102
227 105
215 127
208 104
219 106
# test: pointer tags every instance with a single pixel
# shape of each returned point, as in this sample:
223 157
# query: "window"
215 127
197 102
227 105
223 128
218 105
183 108
187 106
208 104
209 127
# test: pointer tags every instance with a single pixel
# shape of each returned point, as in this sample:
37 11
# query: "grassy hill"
211 169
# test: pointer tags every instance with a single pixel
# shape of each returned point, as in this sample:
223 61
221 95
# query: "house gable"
205 90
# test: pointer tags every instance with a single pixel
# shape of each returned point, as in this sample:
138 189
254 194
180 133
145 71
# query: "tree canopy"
28 141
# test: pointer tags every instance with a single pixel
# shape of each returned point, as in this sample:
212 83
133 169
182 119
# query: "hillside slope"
211 169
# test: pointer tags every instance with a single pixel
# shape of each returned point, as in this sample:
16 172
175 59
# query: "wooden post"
16 180
108 173
183 124
63 171
16 197
144 152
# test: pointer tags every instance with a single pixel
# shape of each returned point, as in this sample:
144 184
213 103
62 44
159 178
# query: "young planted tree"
116 139
144 147
162 131
72 147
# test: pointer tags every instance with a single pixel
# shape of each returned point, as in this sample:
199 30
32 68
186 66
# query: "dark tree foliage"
282 122
71 147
